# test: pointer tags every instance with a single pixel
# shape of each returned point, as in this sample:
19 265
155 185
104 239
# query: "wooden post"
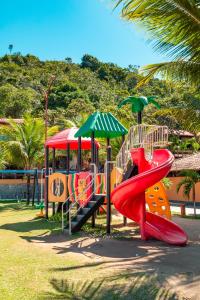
53 169
108 191
67 169
46 181
34 187
93 161
124 218
68 158
79 160
92 148
97 157
37 187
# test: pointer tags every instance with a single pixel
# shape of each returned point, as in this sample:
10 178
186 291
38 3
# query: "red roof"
61 139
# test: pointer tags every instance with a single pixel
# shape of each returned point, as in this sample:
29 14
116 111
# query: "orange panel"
57 191
157 201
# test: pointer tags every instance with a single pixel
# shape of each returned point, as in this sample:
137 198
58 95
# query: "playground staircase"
84 213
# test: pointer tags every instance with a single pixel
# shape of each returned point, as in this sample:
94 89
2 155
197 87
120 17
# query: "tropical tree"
138 103
174 29
10 48
24 144
188 183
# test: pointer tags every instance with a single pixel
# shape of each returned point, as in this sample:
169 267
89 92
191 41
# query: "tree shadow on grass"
140 287
13 206
52 232
179 264
35 224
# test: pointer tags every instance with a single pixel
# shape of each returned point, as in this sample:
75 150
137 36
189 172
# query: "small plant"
167 183
56 217
188 183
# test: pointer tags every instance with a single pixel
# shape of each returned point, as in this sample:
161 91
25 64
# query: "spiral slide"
129 198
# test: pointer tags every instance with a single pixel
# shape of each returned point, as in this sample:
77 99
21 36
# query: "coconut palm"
188 183
24 144
138 103
174 29
10 48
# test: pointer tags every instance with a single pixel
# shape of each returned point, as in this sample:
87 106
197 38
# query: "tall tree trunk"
194 199
28 189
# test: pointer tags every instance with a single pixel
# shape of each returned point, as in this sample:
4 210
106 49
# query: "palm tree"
174 28
138 103
10 47
24 144
188 183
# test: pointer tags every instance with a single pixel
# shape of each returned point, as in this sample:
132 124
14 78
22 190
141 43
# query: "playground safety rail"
146 136
75 204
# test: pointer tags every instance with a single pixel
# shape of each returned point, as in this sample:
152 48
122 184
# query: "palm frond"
176 70
124 102
186 118
24 142
173 25
151 99
191 175
187 186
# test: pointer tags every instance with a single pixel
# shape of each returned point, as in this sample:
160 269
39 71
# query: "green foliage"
93 85
173 27
24 143
56 218
15 102
167 182
188 183
178 145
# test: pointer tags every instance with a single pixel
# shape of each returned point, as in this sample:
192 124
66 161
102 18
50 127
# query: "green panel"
104 125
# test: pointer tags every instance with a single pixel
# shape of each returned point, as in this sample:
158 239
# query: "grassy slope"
31 272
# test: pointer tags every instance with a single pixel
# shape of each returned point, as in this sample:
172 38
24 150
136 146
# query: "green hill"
80 89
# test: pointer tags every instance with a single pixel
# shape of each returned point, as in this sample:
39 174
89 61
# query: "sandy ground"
177 268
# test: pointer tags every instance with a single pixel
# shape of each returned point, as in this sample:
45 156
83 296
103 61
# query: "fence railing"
146 136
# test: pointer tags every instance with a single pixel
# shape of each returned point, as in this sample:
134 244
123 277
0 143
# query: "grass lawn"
29 271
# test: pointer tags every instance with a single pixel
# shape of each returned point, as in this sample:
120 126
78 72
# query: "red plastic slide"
129 198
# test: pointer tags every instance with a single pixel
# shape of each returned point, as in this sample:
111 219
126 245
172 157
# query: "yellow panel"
116 177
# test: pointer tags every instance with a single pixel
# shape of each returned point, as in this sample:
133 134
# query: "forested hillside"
80 89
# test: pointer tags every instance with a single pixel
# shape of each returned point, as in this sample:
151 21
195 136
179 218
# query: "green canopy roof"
104 125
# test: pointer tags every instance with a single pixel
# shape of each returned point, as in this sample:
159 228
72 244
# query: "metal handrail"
71 215
74 203
146 136
76 189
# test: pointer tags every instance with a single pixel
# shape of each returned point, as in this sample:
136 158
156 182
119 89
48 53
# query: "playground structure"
83 193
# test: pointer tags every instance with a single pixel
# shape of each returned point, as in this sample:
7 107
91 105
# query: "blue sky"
55 29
